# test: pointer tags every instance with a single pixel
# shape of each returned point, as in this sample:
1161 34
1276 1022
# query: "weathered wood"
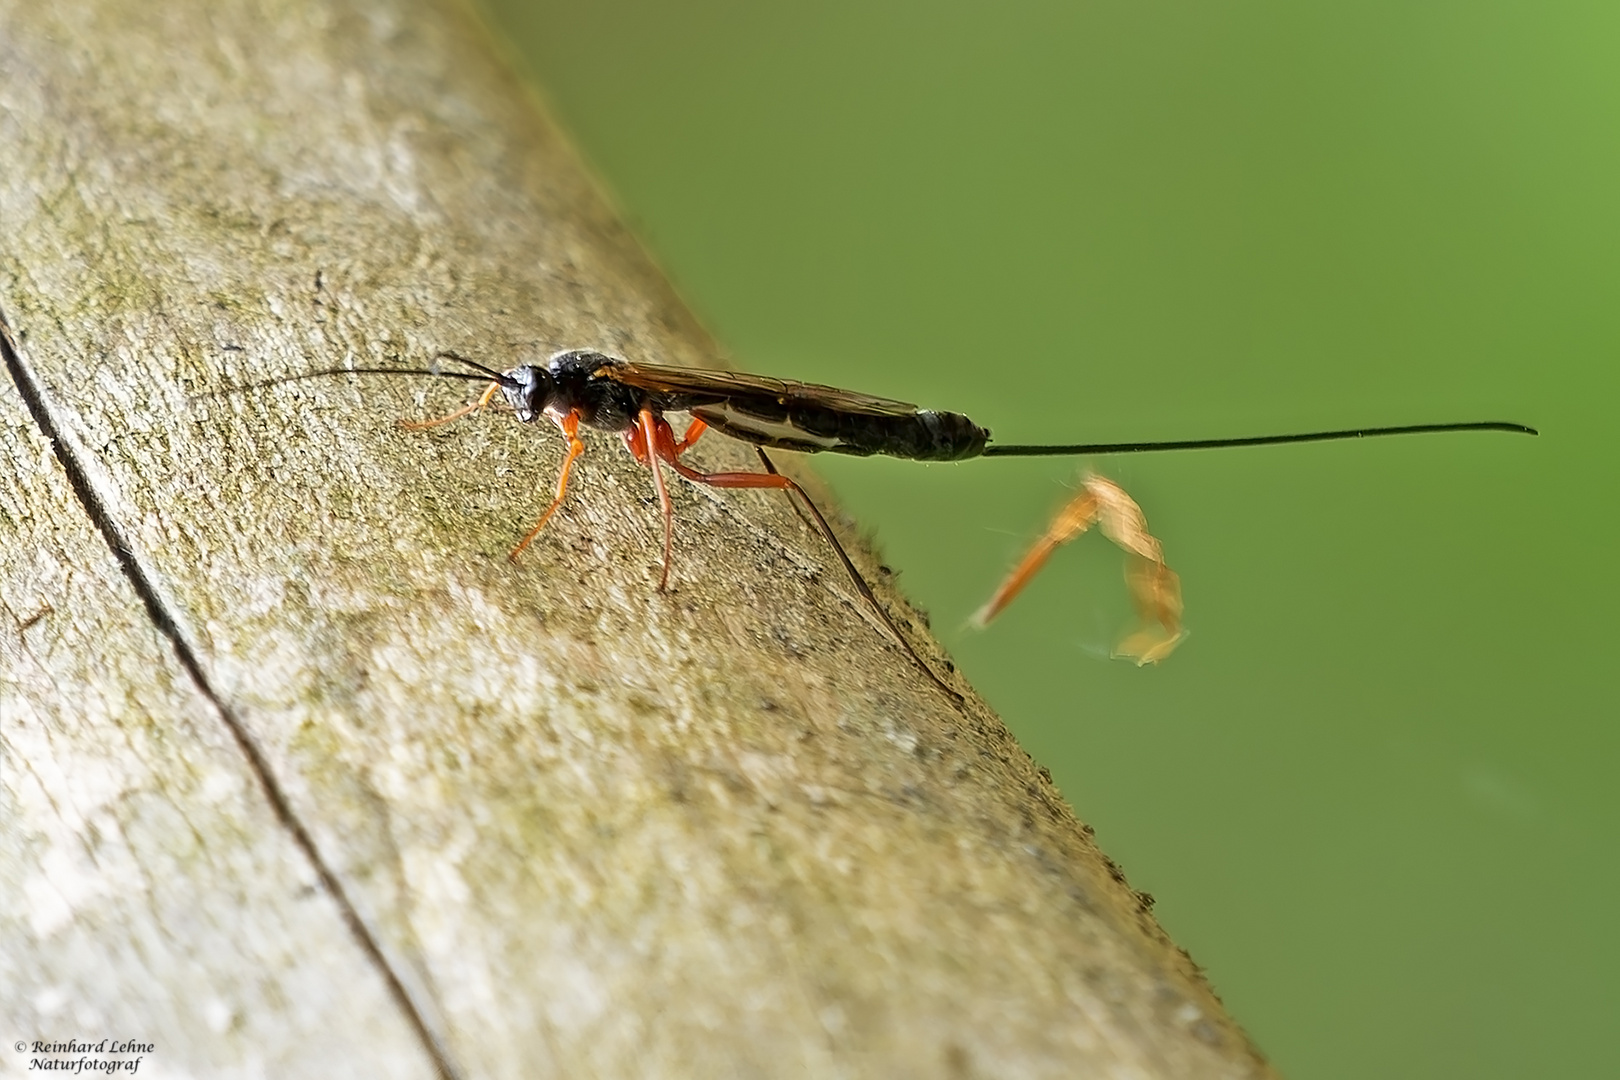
301 776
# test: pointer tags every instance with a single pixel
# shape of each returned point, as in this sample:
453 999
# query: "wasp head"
528 390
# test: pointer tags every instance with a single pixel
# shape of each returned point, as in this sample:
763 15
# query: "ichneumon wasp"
583 388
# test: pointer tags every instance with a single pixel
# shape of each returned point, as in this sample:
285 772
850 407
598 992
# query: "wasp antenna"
326 373
500 377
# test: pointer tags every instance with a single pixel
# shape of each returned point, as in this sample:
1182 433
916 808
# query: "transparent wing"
738 388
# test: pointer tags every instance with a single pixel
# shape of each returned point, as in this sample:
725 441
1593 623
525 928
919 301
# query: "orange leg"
650 426
664 445
1155 588
570 429
1070 522
637 442
483 400
693 430
1156 591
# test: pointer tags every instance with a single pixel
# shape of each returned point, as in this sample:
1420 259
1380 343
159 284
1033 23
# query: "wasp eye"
527 389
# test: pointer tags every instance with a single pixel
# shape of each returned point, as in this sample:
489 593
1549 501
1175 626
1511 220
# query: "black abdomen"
798 425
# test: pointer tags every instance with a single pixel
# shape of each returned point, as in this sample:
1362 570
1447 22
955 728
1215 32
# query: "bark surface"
302 777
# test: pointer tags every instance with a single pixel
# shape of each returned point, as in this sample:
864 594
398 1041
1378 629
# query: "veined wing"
739 388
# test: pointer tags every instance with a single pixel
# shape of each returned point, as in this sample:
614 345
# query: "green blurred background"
1373 791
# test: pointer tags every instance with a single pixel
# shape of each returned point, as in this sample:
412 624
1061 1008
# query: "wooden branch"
301 776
